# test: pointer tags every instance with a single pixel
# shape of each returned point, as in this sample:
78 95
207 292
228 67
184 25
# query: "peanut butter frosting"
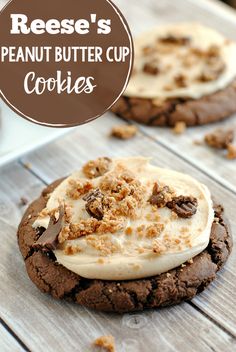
183 60
127 219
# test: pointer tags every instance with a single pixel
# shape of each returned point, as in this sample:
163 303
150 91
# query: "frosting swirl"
185 60
113 230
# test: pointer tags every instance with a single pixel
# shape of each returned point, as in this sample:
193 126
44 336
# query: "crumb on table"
231 152
219 138
107 343
179 127
124 131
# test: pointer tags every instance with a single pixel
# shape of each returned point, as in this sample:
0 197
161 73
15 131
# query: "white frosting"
127 262
172 63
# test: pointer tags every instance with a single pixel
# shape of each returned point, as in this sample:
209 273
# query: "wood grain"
7 342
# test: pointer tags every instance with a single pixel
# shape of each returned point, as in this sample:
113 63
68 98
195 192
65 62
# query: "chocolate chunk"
151 68
183 206
219 138
172 39
23 201
180 81
160 196
48 240
94 204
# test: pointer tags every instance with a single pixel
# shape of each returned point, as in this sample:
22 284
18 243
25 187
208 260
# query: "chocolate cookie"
211 108
182 72
179 284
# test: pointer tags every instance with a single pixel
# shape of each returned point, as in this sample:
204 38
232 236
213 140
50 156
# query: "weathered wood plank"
7 342
43 323
219 17
92 140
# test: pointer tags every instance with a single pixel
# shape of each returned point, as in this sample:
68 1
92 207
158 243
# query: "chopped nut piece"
96 168
231 152
70 249
129 231
183 206
212 72
77 188
94 204
151 68
179 128
124 131
158 247
160 196
154 230
176 40
219 139
105 342
147 50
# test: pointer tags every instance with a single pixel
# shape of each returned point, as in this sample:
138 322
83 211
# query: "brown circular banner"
63 62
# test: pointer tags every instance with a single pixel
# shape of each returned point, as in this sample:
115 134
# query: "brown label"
63 62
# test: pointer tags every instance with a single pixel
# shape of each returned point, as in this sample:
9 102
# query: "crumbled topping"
124 131
128 231
175 40
77 188
151 68
72 249
103 244
160 195
96 168
147 50
158 247
105 342
219 138
83 228
231 152
154 230
212 72
179 127
64 234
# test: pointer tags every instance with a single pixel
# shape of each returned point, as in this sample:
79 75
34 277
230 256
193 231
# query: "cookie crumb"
179 128
107 343
197 142
124 131
219 138
23 201
190 261
28 166
231 152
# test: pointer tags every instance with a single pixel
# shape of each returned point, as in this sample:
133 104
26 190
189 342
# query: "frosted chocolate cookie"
182 72
123 235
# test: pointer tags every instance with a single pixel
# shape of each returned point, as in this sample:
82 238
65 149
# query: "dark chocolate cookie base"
210 108
180 284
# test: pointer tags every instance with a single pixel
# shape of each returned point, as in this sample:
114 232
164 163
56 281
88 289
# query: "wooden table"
30 320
